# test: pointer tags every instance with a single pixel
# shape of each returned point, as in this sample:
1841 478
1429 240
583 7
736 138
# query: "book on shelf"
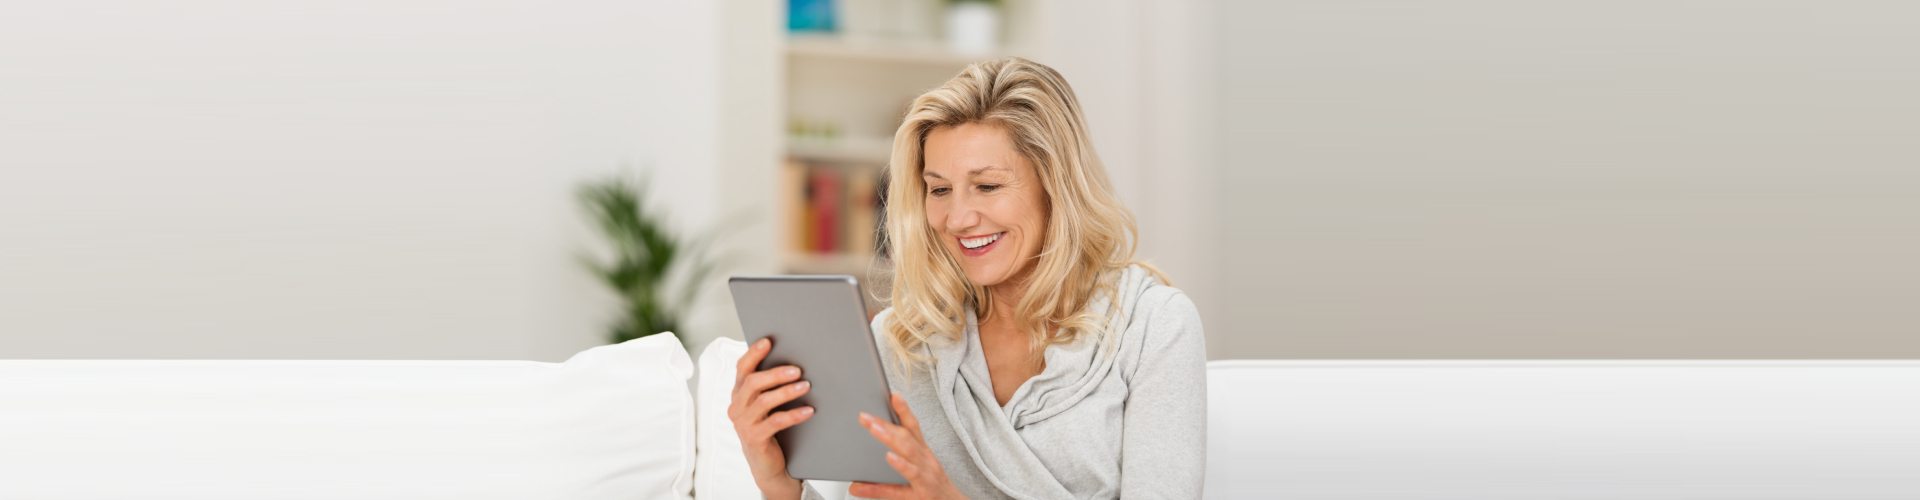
793 205
830 209
863 204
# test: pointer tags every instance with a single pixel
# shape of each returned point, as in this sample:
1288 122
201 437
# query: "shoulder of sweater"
1166 319
1160 303
878 327
880 319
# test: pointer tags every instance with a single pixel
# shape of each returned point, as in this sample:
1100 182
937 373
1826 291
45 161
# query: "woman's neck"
1006 296
1012 356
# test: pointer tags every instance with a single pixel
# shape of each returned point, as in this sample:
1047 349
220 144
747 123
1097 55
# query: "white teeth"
972 243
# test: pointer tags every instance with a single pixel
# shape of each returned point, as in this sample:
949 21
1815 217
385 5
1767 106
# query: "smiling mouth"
980 242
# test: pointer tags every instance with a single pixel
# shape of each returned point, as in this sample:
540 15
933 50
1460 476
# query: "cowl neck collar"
1074 370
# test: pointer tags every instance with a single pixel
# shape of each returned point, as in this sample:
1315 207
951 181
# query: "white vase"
973 28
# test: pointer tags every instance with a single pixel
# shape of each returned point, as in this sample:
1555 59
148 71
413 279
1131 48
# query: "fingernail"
762 344
799 387
806 410
864 417
793 371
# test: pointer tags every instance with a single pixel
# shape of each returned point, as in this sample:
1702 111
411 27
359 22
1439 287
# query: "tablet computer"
819 323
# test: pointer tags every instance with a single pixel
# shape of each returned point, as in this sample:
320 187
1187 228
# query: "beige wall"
1474 179
349 179
1525 179
1143 72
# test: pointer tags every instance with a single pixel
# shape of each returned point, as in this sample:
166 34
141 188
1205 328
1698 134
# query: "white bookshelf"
858 83
862 151
882 51
833 263
859 88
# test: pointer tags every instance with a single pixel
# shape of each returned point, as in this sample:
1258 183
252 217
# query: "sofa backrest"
617 422
612 422
1488 430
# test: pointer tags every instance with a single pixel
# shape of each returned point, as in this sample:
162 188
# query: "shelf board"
859 150
857 265
860 266
921 53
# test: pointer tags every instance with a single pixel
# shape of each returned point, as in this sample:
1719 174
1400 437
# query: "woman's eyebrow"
970 173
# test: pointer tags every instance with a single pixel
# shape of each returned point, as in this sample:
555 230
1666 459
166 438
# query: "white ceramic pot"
973 28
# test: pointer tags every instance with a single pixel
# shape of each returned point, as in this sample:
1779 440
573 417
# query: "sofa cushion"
1412 430
722 473
612 422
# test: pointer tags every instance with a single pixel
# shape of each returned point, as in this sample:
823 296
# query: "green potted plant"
656 273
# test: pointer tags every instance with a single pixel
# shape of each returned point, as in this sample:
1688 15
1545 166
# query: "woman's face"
985 200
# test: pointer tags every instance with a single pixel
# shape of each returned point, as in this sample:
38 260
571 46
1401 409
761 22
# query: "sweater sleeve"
1164 435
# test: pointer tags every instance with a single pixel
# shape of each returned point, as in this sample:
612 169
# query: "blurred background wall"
1470 179
334 179
1559 179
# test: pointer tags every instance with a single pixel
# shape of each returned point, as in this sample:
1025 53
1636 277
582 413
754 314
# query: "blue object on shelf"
810 15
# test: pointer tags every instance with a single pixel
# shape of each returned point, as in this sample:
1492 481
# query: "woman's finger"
773 398
764 380
781 420
895 437
873 425
751 360
881 491
907 419
743 368
756 385
907 468
774 422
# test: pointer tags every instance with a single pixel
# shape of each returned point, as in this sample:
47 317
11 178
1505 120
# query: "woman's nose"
962 215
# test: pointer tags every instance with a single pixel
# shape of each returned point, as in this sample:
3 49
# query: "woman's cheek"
936 215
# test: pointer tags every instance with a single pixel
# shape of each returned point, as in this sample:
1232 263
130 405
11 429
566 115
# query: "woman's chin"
985 274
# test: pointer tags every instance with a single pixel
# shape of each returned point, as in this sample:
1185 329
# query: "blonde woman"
1032 357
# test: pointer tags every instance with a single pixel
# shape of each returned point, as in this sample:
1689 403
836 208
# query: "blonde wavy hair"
1089 236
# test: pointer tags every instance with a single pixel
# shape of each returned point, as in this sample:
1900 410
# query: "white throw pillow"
613 422
723 472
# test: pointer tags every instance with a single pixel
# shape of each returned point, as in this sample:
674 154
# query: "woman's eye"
939 191
989 187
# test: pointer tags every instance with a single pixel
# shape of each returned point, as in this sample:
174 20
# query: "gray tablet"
819 323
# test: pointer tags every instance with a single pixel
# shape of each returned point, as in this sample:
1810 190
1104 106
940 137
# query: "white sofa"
619 422
612 422
1491 430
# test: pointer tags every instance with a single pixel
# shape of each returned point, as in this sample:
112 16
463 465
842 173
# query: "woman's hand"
755 394
910 455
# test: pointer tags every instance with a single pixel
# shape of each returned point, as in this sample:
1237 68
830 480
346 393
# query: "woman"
1031 357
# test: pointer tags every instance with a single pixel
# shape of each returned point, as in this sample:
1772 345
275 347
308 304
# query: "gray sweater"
1111 416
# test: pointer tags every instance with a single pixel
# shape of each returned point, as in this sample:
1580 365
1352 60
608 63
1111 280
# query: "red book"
862 220
826 200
